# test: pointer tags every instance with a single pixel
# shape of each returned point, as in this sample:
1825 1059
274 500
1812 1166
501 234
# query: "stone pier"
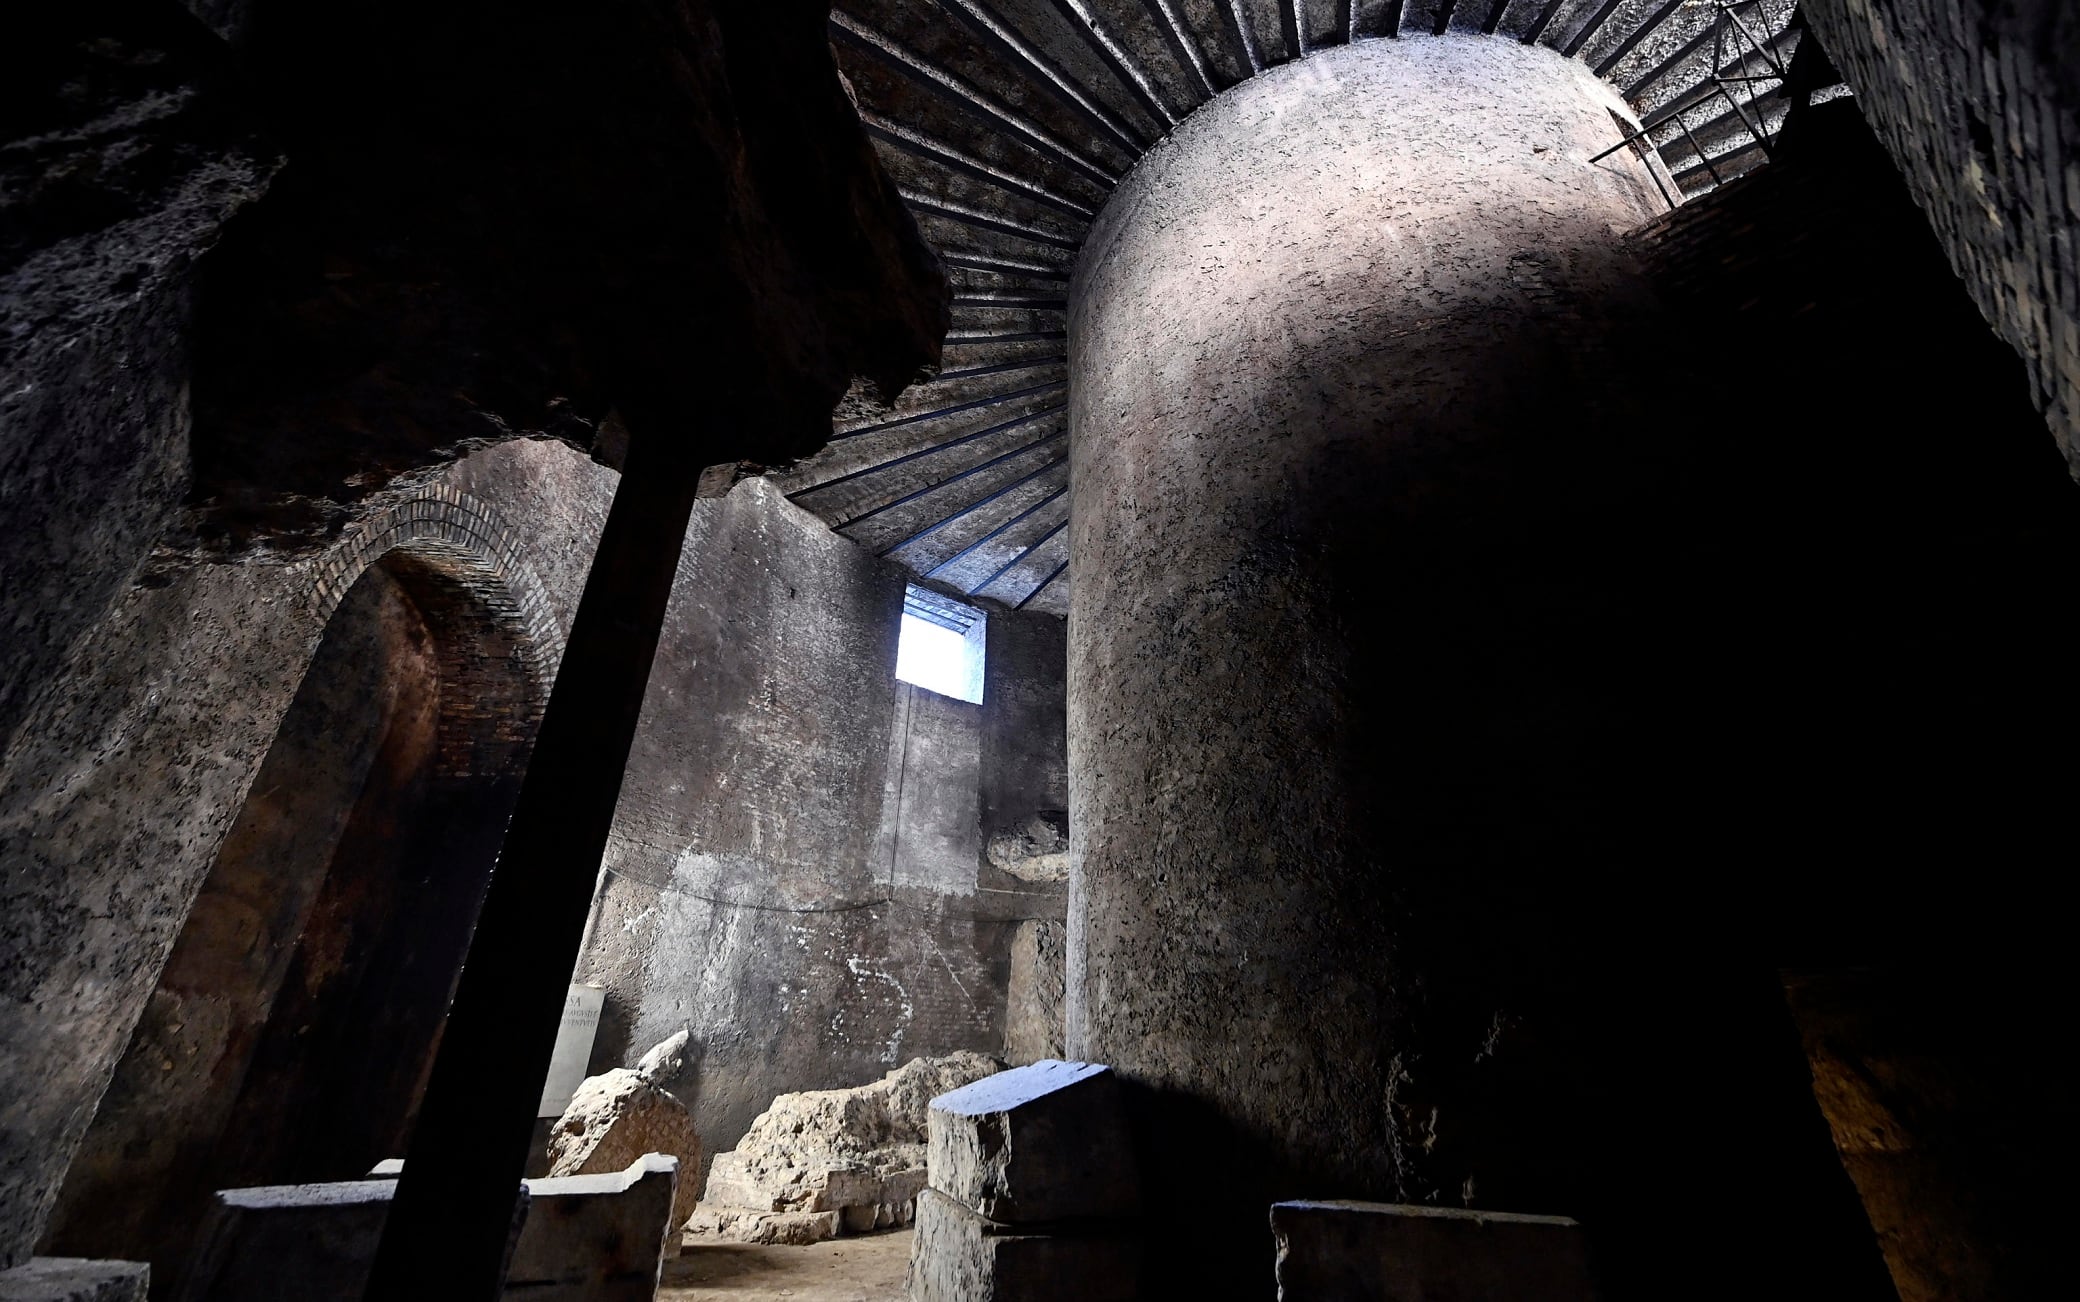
1351 423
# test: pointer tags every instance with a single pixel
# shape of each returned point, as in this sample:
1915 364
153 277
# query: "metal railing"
1740 59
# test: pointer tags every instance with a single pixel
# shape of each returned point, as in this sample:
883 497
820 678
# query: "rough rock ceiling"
1006 123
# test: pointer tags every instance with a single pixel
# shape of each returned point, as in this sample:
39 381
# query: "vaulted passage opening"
290 1034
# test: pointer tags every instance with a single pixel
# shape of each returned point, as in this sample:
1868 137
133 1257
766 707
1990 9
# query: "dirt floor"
860 1268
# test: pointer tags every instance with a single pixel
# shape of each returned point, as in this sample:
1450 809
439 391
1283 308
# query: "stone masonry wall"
133 765
798 871
1976 103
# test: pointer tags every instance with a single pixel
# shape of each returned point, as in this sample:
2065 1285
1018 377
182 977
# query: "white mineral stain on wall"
860 968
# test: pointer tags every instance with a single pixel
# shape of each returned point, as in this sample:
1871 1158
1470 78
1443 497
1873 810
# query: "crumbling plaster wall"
798 871
1976 101
131 767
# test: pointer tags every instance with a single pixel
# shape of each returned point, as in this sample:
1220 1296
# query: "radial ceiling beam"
1006 40
947 86
990 401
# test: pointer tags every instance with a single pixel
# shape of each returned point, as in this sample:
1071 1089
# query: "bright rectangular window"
940 645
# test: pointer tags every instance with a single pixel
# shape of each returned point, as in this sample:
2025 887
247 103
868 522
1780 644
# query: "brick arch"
464 540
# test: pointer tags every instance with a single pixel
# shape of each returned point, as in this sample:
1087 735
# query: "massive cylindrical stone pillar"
1356 430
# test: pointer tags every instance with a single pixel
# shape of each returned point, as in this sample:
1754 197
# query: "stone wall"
134 764
746 259
115 181
1976 102
123 783
798 870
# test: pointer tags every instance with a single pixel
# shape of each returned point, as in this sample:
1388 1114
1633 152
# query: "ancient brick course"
1976 103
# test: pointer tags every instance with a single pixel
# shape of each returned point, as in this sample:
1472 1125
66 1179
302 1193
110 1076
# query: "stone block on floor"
312 1242
584 1238
817 1189
618 1116
74 1279
754 1225
857 1154
1040 1143
959 1256
1388 1252
596 1238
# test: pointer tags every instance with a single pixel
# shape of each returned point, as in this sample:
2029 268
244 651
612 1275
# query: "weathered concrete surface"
125 150
312 972
1033 1011
1381 1252
362 720
75 1279
149 746
1979 105
1342 441
853 1158
1025 750
617 1117
798 872
387 363
960 1257
116 174
1041 1143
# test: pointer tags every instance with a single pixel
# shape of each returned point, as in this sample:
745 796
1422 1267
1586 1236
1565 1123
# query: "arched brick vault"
463 539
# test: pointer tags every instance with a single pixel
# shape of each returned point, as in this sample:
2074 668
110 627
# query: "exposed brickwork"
464 538
499 639
1976 103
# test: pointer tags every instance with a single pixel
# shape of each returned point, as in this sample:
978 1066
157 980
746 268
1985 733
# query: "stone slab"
1390 1252
1041 1143
580 1238
958 1256
596 1238
313 1242
75 1279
